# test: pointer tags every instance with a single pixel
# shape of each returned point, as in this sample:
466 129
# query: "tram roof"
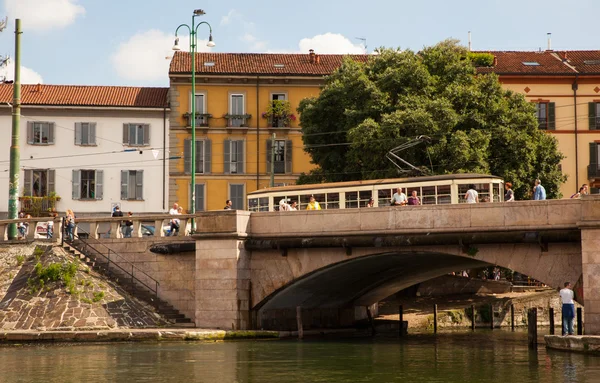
385 181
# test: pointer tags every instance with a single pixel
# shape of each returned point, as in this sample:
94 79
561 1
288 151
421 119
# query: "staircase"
126 279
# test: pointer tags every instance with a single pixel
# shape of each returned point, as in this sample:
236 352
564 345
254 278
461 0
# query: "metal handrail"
87 244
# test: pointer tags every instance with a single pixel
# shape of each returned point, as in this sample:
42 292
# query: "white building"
92 146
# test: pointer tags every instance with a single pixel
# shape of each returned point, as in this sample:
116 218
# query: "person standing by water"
313 204
539 193
128 229
399 198
50 225
69 224
228 205
568 309
471 196
414 199
509 196
371 202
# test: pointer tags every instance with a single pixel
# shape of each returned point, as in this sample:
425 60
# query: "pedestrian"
174 223
313 204
471 196
509 196
284 205
414 198
228 204
294 206
371 203
128 229
579 193
70 224
568 309
118 213
539 193
21 227
50 225
585 188
399 198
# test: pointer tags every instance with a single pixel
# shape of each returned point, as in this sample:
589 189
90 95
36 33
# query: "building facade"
87 148
242 100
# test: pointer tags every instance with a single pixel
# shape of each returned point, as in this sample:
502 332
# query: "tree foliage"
366 109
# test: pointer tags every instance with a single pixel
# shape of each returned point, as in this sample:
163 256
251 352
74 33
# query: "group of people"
583 190
400 199
286 204
127 226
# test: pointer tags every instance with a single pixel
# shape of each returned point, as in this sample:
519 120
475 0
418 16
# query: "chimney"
317 59
549 41
495 61
311 56
38 88
469 41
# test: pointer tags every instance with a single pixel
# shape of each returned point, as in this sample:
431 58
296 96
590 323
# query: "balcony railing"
201 119
237 120
593 171
38 206
278 122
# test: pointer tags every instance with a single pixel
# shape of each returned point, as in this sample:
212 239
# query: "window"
545 115
85 133
38 182
277 121
236 108
594 115
136 134
594 167
87 184
40 133
199 103
258 204
483 192
236 195
132 184
203 156
531 63
233 151
201 115
283 156
355 199
200 197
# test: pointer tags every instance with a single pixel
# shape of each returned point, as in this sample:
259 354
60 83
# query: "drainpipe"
575 86
164 159
257 138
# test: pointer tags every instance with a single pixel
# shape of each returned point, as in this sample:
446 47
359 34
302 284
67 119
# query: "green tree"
366 109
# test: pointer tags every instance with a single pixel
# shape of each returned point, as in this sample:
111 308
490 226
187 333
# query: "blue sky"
125 42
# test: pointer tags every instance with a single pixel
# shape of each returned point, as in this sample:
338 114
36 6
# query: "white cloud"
229 17
145 57
28 76
254 43
44 14
330 43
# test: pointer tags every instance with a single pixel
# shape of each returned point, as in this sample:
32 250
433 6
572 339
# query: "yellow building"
234 91
234 139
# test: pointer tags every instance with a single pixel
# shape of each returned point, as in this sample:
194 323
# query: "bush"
481 59
54 272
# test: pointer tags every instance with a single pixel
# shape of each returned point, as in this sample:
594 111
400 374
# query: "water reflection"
458 357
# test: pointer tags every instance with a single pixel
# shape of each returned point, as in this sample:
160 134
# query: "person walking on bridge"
539 193
568 309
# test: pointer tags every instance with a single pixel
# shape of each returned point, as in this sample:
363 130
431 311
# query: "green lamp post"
193 30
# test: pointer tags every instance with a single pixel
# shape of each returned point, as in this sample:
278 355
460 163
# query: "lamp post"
193 30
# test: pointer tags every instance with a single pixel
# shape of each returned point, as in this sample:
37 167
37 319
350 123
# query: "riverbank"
589 344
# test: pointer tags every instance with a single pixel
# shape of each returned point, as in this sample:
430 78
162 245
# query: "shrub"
480 59
20 259
54 272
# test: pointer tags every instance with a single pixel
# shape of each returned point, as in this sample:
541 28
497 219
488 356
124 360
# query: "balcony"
593 171
38 206
237 120
278 122
201 119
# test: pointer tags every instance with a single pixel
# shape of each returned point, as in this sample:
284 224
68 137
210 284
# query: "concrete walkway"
578 343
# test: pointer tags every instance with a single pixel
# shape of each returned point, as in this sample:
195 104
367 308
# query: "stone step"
174 316
186 324
183 320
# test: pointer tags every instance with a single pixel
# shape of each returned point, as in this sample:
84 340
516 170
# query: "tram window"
498 193
263 204
384 196
444 194
304 200
364 197
351 200
483 192
428 196
276 201
253 204
332 202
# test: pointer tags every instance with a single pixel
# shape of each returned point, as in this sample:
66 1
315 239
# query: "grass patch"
455 316
98 296
53 273
20 259
38 251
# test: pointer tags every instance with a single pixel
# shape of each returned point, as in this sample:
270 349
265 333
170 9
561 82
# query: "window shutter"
139 184
124 184
51 132
240 157
187 156
28 174
269 150
76 181
592 115
78 133
125 134
207 156
226 156
146 134
51 181
92 133
551 116
593 155
199 197
288 156
29 132
99 184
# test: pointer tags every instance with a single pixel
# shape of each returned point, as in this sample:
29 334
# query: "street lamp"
193 30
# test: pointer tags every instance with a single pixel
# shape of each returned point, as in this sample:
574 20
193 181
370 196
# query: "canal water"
483 356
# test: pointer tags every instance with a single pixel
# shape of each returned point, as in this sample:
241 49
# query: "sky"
128 42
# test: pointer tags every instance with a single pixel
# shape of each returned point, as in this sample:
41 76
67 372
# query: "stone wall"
455 284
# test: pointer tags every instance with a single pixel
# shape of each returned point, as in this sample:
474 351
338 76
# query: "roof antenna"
364 41
469 41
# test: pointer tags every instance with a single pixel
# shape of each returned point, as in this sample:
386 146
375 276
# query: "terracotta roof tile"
587 62
79 95
259 63
512 62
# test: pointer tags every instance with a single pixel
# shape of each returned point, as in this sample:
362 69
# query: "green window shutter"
199 156
592 115
139 184
28 174
29 132
236 195
76 180
207 156
125 134
551 116
593 155
187 156
51 181
146 134
124 184
288 156
92 133
99 184
226 156
240 157
269 151
78 133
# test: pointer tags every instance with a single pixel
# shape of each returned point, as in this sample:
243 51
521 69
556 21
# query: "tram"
431 190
